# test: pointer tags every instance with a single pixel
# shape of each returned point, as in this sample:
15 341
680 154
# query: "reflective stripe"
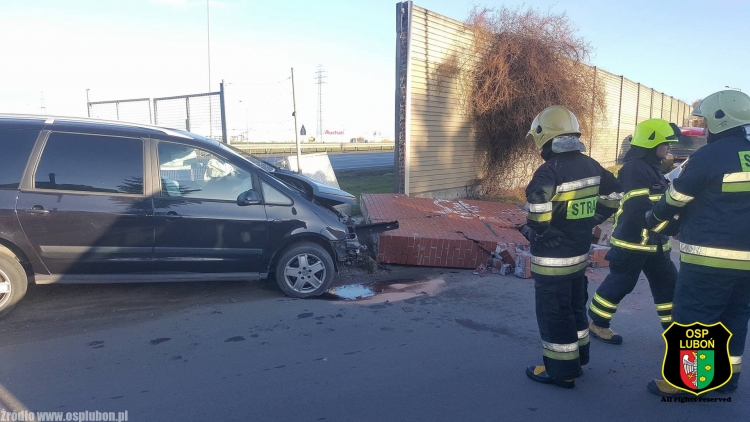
599 312
655 198
560 355
559 262
563 348
715 262
644 237
544 217
604 302
735 187
584 341
737 177
660 227
636 247
663 306
583 334
546 207
576 194
677 199
609 203
636 192
715 252
666 318
578 184
557 271
735 360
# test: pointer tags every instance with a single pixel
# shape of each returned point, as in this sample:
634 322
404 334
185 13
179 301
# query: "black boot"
538 373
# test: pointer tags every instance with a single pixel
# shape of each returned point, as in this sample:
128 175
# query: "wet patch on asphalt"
385 291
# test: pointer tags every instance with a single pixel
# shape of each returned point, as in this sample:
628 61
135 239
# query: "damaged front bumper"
350 250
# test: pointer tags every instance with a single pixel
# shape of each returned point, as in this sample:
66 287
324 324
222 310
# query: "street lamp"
727 86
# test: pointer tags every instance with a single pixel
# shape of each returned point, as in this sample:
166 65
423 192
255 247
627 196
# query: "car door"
200 227
84 207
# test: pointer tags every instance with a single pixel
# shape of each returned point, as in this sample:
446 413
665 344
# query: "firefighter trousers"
563 326
624 269
711 297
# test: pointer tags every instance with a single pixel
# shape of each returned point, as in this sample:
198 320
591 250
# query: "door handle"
38 210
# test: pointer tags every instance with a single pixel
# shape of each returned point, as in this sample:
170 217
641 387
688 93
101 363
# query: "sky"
122 49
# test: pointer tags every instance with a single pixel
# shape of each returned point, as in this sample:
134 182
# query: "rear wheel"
13 281
304 270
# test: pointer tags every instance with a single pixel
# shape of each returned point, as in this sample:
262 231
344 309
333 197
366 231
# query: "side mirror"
250 197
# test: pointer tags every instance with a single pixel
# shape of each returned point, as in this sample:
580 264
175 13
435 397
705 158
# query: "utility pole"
208 39
88 106
320 76
44 107
296 136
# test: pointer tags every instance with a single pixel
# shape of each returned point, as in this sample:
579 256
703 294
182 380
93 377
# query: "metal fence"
202 114
628 104
137 110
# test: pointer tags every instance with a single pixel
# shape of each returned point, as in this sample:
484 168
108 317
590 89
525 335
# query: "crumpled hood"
320 190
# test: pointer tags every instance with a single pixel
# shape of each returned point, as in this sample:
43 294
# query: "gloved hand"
527 232
551 238
651 220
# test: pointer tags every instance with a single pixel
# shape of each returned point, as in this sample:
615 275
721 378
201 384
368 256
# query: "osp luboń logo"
696 359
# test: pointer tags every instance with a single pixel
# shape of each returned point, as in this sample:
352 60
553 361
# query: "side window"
273 196
189 172
91 163
16 145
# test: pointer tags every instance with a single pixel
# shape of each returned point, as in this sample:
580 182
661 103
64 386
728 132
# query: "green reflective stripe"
655 198
665 318
609 203
707 261
584 341
735 187
736 368
560 355
644 237
540 217
576 194
604 302
552 271
636 247
660 227
635 192
599 312
663 306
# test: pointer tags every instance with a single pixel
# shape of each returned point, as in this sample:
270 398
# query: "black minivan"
90 201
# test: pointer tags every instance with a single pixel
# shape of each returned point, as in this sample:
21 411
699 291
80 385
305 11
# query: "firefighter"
567 196
634 248
712 198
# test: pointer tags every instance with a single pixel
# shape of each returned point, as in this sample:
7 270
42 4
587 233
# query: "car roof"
96 125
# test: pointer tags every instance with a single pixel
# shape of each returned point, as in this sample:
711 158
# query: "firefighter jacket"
642 186
568 195
712 197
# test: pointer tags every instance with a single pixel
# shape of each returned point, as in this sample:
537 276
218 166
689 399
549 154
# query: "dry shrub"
522 61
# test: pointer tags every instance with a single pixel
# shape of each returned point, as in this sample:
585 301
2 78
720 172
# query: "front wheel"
13 281
305 270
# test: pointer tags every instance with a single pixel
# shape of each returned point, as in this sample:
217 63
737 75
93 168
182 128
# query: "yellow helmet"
551 122
724 110
653 132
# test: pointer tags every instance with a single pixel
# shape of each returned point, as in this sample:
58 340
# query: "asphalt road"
449 346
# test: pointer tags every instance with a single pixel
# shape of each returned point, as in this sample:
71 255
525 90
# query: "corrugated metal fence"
436 153
629 103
